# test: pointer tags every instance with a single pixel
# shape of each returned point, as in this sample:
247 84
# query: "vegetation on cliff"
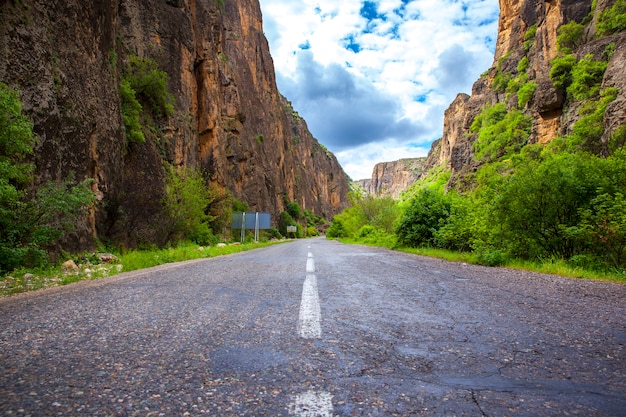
518 199
32 220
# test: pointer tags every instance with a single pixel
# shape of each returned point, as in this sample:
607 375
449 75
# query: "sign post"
251 221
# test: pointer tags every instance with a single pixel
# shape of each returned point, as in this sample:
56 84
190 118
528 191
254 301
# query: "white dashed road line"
309 321
311 403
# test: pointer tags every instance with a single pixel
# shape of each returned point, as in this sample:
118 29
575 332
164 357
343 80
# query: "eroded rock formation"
551 111
390 179
230 121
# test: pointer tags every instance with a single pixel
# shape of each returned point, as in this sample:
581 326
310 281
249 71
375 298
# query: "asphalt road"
315 328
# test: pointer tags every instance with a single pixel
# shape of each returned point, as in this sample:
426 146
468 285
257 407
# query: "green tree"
428 211
188 202
294 210
150 85
31 225
131 113
336 229
612 20
587 77
569 36
561 71
603 225
500 132
144 96
536 210
285 220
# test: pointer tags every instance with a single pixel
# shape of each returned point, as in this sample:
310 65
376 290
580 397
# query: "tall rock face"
390 179
528 31
229 120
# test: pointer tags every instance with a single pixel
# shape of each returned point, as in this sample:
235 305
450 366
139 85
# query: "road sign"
251 221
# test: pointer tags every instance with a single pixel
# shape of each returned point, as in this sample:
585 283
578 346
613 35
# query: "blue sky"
373 78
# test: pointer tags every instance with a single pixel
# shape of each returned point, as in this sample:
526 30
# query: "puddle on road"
240 359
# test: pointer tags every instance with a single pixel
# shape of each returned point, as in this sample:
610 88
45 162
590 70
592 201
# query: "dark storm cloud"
342 109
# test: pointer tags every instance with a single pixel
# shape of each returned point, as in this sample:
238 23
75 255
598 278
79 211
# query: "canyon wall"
229 120
390 179
528 31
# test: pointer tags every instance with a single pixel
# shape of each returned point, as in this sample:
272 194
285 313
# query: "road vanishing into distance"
316 328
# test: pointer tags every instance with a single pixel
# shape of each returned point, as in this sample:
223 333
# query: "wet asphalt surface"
402 335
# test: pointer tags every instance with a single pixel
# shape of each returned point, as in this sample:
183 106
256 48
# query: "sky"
372 79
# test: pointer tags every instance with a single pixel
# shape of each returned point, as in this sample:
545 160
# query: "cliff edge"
522 79
229 121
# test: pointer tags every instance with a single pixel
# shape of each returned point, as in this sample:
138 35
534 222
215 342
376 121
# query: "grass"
552 267
23 280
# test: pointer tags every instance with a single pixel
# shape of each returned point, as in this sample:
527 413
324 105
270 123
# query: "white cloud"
372 78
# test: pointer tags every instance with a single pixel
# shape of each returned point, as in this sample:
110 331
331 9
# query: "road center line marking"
309 320
312 404
310 265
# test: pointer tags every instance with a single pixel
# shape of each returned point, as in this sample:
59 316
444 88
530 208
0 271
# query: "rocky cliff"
525 50
229 119
390 179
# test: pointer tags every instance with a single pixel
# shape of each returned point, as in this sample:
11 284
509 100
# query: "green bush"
365 231
561 71
515 83
294 210
523 64
500 131
187 201
536 212
239 206
490 256
587 132
569 36
380 213
150 85
526 93
373 236
529 37
501 81
336 229
16 144
603 225
131 113
144 96
586 78
284 220
31 224
612 20
274 233
618 139
457 232
312 231
428 211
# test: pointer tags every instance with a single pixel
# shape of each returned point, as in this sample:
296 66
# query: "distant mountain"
390 179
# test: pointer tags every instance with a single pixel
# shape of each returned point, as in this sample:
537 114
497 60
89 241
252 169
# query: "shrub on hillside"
187 201
31 223
428 211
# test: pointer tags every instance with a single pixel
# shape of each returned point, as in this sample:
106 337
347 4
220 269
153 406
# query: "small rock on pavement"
69 266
